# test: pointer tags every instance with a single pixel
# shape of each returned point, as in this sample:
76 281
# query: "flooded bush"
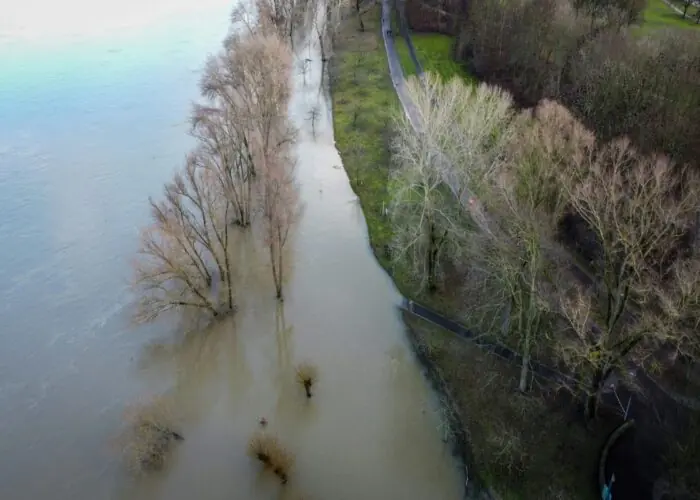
149 435
271 454
307 375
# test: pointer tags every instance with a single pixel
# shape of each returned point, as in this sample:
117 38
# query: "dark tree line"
588 56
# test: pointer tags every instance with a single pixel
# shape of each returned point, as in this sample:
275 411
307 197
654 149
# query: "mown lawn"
434 54
659 15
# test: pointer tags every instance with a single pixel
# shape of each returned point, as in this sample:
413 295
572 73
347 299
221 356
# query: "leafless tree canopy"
280 208
250 80
185 259
484 189
242 165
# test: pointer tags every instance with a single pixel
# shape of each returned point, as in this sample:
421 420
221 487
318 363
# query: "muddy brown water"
92 122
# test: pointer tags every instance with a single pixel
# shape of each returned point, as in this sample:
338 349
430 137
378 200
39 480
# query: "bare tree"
314 113
640 209
303 66
468 128
326 18
686 5
224 143
280 203
184 254
424 214
513 259
461 153
250 78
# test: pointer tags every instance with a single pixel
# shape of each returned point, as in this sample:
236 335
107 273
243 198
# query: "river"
93 109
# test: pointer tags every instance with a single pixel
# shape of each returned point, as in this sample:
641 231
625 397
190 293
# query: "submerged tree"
280 208
271 454
184 260
224 145
307 375
251 80
149 435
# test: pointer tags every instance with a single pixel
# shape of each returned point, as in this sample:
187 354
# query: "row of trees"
586 55
523 173
238 178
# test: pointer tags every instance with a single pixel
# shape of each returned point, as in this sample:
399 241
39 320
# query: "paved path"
461 193
669 4
397 77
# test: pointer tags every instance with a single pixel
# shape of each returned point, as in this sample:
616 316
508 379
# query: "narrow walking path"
397 76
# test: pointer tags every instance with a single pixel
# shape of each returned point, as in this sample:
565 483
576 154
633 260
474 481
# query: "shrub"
306 375
149 435
271 454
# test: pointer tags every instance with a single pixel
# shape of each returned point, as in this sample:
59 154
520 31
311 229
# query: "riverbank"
505 431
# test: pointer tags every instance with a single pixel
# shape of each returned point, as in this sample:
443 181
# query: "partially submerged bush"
271 454
149 435
307 375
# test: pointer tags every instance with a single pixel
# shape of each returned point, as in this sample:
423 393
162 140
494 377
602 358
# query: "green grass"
523 446
659 15
363 103
434 53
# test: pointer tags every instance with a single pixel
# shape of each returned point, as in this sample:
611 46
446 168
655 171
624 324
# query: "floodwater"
92 122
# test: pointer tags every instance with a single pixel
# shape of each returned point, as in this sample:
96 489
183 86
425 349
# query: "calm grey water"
93 104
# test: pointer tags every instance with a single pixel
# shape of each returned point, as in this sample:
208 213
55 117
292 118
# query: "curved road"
397 77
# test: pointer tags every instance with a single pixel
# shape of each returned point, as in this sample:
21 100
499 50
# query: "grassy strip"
659 15
434 53
521 443
363 103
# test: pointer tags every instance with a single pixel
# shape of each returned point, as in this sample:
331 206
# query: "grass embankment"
434 52
659 15
522 449
363 103
523 446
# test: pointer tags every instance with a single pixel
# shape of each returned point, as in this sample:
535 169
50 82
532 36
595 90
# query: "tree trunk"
685 9
280 276
273 263
525 368
597 386
592 404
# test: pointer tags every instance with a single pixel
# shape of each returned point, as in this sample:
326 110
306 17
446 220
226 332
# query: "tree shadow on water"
292 407
200 363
